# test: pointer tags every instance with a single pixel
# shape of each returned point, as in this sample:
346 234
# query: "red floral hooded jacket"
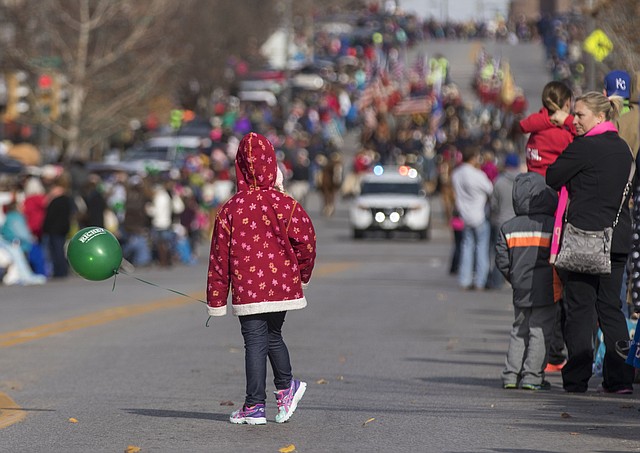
263 244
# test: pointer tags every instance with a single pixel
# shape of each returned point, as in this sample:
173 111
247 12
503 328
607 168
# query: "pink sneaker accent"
287 400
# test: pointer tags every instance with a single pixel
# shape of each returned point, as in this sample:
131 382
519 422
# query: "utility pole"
287 13
591 61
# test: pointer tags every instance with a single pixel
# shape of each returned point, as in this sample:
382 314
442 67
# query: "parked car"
198 127
391 199
161 153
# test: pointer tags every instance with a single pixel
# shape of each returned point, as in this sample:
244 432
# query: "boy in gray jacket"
522 255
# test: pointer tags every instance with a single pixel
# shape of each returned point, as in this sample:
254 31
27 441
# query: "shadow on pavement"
178 414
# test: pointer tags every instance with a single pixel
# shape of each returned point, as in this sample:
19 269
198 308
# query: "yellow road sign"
598 44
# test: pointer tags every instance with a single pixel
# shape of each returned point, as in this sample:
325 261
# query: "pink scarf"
601 128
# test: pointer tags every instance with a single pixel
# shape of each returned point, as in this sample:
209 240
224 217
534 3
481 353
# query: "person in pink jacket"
263 248
549 136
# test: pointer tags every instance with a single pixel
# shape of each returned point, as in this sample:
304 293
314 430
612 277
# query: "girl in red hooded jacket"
551 128
263 247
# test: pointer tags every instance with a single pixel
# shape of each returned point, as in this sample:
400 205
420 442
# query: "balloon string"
157 286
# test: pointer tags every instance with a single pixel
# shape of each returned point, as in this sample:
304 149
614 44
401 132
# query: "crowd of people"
587 157
503 219
163 217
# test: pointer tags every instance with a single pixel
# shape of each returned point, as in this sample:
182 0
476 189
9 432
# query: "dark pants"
263 338
589 298
57 255
496 279
455 254
557 350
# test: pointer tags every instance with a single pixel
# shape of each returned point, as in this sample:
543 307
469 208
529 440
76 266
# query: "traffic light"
17 94
60 96
45 93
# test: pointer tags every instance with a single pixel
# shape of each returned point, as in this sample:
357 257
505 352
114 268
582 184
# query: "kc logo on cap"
618 83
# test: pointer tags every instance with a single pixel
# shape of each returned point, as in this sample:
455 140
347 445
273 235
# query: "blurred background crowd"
157 186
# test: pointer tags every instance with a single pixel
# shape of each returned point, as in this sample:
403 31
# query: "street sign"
598 44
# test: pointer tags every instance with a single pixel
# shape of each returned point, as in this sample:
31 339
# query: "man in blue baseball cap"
617 83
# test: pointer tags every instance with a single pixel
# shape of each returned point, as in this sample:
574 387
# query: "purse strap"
625 192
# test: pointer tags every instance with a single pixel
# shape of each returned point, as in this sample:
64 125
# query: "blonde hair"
598 103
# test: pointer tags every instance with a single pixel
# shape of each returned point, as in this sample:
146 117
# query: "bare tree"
113 54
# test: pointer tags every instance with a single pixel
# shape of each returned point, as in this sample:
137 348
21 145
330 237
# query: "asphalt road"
397 358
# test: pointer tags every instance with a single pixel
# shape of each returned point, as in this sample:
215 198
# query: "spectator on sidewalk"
522 255
628 122
502 210
136 223
551 129
472 190
57 224
595 169
164 205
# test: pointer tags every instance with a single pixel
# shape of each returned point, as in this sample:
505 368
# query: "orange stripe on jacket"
528 241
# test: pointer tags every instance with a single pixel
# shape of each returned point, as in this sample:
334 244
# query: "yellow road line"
10 412
112 314
332 268
89 320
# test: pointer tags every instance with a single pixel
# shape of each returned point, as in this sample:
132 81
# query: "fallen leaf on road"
340 378
342 359
132 449
226 403
288 449
441 296
73 420
368 421
322 381
452 343
626 406
565 415
574 434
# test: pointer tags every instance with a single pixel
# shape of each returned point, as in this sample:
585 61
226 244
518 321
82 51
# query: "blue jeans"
262 335
475 255
57 254
136 249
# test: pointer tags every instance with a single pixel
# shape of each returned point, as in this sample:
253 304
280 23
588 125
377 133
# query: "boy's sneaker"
509 386
253 415
546 385
287 400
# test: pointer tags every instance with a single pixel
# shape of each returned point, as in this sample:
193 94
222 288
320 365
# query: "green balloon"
94 253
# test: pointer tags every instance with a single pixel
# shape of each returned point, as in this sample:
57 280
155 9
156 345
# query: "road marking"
89 320
9 339
332 268
10 412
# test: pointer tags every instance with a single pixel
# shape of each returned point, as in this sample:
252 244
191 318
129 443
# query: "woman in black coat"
595 168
